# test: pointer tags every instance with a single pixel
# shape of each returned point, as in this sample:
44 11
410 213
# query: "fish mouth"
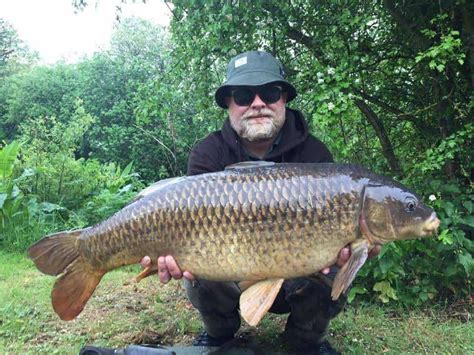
431 225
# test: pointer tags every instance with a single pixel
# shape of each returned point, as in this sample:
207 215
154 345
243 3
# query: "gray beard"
253 132
262 131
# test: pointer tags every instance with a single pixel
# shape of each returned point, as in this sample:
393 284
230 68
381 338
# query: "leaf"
8 156
465 259
3 198
354 291
15 191
386 291
469 220
445 237
50 207
451 188
449 208
468 205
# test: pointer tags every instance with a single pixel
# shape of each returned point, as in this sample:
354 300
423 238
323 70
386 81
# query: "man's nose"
258 102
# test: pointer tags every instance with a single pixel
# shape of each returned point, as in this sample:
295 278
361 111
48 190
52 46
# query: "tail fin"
58 254
74 288
55 252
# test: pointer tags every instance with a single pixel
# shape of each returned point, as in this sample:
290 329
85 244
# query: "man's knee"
217 303
311 310
211 296
310 298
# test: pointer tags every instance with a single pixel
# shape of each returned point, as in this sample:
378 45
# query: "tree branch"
387 148
405 24
421 126
292 32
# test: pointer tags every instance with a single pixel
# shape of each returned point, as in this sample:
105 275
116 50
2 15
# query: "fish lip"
431 225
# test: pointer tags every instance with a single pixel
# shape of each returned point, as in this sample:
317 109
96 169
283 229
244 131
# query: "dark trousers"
308 300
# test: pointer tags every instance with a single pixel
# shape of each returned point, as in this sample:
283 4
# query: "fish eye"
410 204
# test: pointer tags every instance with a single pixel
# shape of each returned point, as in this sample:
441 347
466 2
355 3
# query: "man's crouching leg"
312 309
217 302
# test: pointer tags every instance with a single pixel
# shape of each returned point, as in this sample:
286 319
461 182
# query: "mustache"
258 113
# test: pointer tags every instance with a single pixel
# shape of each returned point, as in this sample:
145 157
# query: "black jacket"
223 148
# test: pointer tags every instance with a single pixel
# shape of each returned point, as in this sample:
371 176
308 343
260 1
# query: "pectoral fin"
347 274
148 271
257 300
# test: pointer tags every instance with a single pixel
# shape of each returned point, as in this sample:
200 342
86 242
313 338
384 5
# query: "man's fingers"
188 276
163 272
375 251
145 262
343 256
173 268
167 269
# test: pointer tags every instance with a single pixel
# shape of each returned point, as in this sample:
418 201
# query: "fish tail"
55 252
74 288
59 254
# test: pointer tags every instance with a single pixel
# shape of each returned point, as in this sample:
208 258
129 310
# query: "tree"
39 92
13 51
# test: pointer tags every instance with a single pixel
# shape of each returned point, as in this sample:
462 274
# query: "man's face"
257 120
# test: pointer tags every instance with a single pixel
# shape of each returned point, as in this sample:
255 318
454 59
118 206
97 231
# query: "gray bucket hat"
253 68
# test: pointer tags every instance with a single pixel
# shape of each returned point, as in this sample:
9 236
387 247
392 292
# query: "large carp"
254 222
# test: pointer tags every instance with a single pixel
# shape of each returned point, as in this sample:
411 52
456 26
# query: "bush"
44 188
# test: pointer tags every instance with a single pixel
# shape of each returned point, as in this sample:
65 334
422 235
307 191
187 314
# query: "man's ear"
284 96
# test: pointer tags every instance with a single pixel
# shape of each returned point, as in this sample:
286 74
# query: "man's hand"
345 254
167 269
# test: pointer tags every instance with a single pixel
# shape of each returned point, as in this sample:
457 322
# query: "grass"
122 312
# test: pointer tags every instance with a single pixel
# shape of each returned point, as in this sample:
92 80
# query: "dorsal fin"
156 186
250 164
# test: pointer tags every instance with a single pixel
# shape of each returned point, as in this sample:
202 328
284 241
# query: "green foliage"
115 85
421 270
49 189
20 215
449 49
117 190
39 92
49 157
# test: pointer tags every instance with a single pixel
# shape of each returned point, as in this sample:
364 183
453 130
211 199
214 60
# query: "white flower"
432 198
357 81
320 81
331 71
331 106
319 74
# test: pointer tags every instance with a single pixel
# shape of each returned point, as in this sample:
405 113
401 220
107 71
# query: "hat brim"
252 80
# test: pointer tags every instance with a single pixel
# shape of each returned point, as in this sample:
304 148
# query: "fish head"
392 212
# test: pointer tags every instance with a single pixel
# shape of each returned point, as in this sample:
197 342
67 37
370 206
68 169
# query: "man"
260 127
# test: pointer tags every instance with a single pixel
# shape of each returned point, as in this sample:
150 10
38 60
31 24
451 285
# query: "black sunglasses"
244 96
